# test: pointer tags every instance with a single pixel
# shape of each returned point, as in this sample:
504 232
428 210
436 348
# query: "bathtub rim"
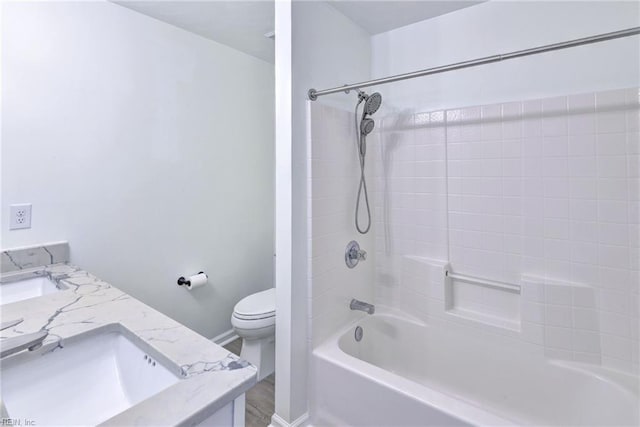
330 351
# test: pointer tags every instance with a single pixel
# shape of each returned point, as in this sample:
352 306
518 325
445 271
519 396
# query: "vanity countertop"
211 377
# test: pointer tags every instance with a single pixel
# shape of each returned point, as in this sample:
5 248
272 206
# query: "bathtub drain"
359 333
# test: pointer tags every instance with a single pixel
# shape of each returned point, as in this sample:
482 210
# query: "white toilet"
254 320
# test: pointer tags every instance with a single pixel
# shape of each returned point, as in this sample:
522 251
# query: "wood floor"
260 399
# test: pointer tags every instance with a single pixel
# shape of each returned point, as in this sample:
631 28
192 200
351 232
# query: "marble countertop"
211 377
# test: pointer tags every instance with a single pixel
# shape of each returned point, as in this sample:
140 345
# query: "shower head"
366 126
372 102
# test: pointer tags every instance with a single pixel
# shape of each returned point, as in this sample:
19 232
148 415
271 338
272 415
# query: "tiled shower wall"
410 198
332 187
541 193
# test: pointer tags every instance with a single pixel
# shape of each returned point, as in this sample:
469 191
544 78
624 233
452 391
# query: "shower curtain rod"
314 94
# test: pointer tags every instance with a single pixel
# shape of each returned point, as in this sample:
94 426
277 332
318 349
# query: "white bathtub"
410 374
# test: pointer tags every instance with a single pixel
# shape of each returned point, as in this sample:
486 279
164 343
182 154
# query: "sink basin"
85 383
25 289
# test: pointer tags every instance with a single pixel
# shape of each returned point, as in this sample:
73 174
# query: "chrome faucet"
13 345
362 306
353 254
10 324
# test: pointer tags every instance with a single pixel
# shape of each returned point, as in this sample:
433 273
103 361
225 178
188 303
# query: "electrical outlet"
20 216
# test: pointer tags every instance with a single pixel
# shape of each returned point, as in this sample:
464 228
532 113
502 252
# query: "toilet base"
261 353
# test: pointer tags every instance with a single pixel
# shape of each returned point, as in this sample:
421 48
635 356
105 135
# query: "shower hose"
361 144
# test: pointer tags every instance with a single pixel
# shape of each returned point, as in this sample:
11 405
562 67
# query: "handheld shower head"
366 126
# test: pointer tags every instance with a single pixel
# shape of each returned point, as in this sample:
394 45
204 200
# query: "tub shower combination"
380 366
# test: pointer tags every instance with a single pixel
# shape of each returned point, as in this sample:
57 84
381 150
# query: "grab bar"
483 282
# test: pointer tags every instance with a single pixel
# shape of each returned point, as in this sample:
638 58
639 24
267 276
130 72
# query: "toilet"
254 320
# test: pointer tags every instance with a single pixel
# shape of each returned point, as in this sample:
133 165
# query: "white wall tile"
585 166
612 166
586 319
558 294
533 312
558 315
616 347
584 188
613 211
586 341
583 210
540 187
612 144
581 145
581 124
583 231
559 338
610 122
615 324
611 99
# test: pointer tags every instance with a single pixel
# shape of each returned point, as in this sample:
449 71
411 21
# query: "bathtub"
405 373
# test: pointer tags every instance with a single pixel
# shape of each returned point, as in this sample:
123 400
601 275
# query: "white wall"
503 26
327 49
286 325
148 148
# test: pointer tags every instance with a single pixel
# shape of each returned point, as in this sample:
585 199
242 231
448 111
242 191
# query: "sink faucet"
10 324
27 341
362 306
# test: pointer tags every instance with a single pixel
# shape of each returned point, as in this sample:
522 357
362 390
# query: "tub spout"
362 306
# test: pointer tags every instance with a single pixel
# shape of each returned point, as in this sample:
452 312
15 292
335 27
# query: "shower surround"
543 194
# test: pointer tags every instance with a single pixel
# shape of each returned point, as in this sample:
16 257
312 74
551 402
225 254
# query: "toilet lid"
258 305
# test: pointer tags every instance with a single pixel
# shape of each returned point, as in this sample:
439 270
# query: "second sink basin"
86 382
25 289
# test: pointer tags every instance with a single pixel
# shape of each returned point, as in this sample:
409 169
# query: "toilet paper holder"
186 282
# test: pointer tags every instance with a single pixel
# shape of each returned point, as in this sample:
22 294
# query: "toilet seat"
254 316
251 324
257 307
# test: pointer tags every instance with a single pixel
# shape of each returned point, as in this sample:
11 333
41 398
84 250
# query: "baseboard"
225 337
277 421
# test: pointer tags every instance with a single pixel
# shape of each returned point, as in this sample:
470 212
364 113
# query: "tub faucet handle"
353 254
